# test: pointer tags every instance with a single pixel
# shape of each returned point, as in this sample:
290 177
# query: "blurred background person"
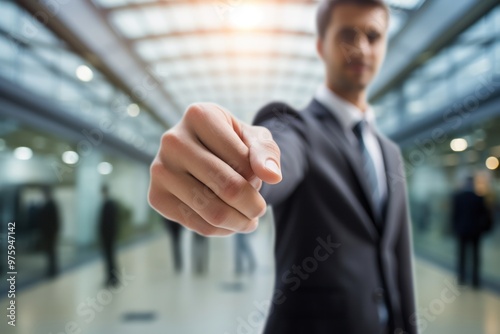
50 225
200 254
175 231
108 226
470 218
244 257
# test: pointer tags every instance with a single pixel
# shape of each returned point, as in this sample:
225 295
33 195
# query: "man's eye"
348 36
373 37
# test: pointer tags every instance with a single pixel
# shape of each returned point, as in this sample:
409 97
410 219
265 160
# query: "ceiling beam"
232 54
219 87
77 45
234 72
201 32
221 5
410 48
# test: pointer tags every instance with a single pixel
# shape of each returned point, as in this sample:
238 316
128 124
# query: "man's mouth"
358 67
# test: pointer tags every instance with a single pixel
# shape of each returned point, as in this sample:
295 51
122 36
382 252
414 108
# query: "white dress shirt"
349 115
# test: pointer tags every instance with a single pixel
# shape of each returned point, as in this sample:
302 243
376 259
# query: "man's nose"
362 45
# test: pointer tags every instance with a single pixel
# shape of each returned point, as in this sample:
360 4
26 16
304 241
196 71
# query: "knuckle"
251 226
270 146
232 189
242 167
155 170
153 193
159 174
264 133
153 198
207 230
260 207
194 112
159 202
218 217
170 141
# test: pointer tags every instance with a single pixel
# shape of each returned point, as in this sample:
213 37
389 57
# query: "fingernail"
273 167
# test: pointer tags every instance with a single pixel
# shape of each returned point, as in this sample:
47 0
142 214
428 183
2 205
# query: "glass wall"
34 58
471 60
465 74
36 159
434 178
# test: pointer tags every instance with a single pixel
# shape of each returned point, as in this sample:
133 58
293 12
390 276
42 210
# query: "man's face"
354 46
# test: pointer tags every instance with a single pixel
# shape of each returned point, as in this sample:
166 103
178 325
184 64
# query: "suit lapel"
336 136
393 169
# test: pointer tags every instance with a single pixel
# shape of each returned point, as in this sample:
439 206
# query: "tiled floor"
155 300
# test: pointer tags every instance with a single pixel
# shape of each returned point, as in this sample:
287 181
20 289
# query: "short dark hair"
326 7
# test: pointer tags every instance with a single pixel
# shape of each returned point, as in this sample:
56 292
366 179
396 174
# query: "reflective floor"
153 299
444 249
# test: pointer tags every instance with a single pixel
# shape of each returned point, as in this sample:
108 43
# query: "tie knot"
359 128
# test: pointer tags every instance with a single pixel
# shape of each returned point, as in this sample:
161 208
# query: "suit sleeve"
288 129
404 253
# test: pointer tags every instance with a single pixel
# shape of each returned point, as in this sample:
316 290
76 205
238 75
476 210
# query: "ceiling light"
105 168
133 110
70 157
245 17
23 153
459 145
492 163
84 73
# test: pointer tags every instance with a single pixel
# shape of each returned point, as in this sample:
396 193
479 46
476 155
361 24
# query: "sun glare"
246 17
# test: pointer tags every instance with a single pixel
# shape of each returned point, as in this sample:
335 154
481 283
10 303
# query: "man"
49 219
343 246
175 231
470 217
108 230
244 254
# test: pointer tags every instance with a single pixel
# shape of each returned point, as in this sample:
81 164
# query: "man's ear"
319 47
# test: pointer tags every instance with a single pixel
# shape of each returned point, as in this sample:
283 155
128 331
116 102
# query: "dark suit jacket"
469 214
49 219
333 264
108 219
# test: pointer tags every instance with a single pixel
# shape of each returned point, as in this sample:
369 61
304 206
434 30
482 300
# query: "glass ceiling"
240 54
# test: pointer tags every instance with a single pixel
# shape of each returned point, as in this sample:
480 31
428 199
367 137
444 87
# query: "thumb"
264 153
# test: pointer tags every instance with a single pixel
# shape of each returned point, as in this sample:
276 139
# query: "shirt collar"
347 113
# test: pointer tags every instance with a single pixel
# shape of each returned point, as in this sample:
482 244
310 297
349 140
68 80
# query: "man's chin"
350 84
357 82
358 85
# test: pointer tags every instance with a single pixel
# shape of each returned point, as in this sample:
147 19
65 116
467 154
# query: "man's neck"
356 97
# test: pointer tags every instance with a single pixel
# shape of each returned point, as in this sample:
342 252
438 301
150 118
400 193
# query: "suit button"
378 294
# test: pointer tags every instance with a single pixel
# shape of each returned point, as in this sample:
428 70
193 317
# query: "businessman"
51 225
108 228
343 247
470 217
